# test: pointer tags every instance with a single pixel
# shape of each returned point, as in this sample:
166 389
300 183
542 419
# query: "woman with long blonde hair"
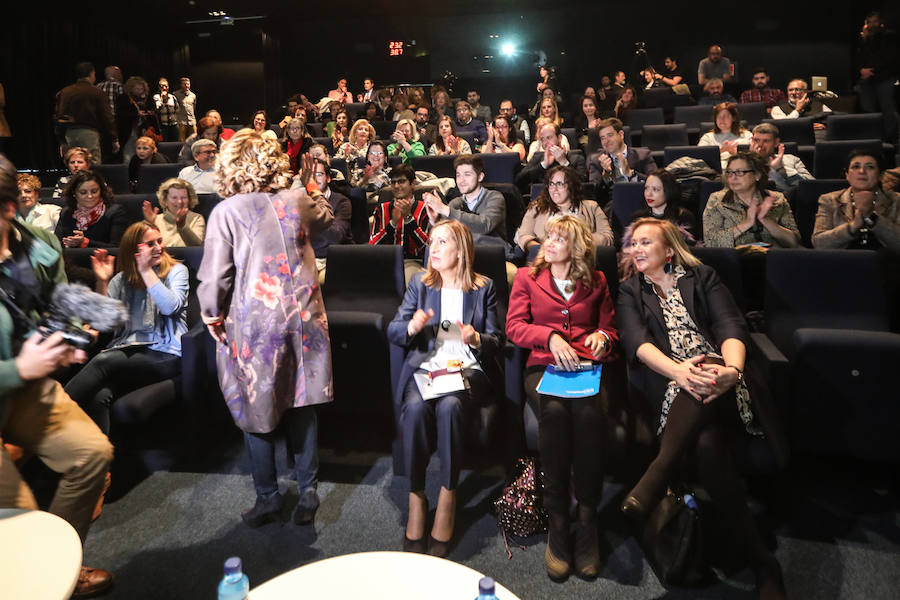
448 321
561 310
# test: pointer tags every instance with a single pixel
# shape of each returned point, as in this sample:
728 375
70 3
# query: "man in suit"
478 208
551 154
369 94
427 130
616 162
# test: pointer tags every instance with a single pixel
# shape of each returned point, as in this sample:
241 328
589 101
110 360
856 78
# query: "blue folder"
571 384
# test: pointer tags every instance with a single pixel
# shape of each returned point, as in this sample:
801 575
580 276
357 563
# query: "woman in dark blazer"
90 217
688 341
448 321
561 310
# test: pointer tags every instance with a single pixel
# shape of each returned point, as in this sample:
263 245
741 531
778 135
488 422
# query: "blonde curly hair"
248 163
581 248
162 193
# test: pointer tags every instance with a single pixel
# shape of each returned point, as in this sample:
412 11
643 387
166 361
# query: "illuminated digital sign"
395 48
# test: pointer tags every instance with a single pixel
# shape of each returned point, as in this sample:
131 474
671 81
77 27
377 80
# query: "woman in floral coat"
260 300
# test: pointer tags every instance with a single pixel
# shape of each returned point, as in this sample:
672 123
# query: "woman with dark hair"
448 320
683 333
259 123
338 129
208 128
562 195
561 310
746 212
727 132
663 195
90 217
587 119
441 101
373 175
502 138
447 142
547 79
153 286
627 101
136 115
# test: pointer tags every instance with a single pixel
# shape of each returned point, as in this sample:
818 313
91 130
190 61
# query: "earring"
668 267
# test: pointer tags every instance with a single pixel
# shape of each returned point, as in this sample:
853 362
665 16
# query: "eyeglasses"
558 184
376 153
207 152
737 172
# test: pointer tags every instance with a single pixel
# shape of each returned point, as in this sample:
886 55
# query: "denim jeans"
302 434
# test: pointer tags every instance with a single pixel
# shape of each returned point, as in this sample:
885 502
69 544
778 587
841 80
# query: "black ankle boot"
587 544
305 511
265 510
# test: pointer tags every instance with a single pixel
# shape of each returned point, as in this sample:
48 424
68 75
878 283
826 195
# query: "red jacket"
537 309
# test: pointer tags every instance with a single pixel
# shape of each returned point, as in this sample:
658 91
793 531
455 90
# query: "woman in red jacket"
561 310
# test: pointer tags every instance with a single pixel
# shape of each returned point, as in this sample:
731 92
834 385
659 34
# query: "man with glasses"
200 174
786 171
799 104
427 130
402 221
508 110
615 162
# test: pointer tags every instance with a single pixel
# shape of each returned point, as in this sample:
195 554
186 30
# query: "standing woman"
153 287
683 332
561 310
260 300
448 317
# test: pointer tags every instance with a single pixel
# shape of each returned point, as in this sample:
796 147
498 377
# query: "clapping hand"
76 240
143 257
150 212
764 207
468 335
180 215
103 263
777 161
418 321
730 146
307 162
558 153
434 206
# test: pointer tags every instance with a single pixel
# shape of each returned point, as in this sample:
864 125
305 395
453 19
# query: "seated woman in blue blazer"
688 341
448 321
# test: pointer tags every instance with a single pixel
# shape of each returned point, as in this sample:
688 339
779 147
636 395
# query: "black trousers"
439 424
572 436
114 373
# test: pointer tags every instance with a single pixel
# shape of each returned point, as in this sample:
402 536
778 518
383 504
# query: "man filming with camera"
35 412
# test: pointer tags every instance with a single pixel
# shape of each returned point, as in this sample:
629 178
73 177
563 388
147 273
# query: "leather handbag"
520 510
672 540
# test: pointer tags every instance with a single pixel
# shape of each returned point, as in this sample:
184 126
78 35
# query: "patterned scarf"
85 217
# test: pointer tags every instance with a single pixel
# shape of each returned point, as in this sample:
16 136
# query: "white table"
377 575
40 555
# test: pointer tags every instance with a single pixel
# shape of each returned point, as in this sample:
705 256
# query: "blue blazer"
479 310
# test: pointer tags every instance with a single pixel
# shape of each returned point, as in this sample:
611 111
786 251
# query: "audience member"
714 93
296 141
746 212
135 115
178 224
440 101
83 115
547 80
406 142
341 94
662 193
76 159
201 173
465 123
864 215
761 92
426 129
339 230
508 110
446 141
357 144
552 153
587 119
187 102
372 112
339 128
29 210
536 145
291 106
400 104
799 104
153 287
651 80
283 368
402 221
482 113
35 412
482 210
208 128
687 339
112 87
561 310
878 62
727 131
318 151
671 76
562 195
372 174
502 138
368 94
786 171
226 132
627 100
167 107
259 123
450 291
90 217
616 162
550 110
714 66
145 153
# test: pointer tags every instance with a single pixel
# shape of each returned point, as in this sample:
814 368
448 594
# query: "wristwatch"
871 220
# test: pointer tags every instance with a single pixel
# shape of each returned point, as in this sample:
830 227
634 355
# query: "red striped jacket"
412 234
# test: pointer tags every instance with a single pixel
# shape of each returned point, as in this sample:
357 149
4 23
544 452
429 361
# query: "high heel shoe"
587 547
263 511
417 546
438 548
558 569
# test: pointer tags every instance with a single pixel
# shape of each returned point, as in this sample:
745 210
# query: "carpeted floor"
168 536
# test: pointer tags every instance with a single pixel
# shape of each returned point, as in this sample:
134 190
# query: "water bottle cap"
233 565
486 586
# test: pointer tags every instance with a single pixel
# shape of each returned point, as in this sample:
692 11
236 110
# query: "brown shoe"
98 509
557 568
92 582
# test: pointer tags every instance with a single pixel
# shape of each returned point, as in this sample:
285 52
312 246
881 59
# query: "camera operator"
35 412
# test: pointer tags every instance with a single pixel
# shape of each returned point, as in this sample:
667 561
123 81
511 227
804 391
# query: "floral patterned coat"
259 274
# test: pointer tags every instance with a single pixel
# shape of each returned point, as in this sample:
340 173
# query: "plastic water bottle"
690 502
486 589
235 585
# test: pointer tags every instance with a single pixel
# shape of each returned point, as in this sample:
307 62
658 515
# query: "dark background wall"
258 63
